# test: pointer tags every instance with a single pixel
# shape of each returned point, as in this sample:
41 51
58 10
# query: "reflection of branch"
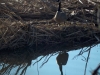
6 69
24 70
46 61
85 50
95 72
45 58
87 60
97 38
37 66
19 67
38 60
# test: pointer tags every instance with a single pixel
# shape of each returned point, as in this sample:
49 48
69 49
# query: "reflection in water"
96 71
17 60
12 64
62 59
7 68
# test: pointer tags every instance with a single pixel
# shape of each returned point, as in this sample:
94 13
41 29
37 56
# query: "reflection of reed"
7 68
18 60
22 59
95 72
87 60
17 34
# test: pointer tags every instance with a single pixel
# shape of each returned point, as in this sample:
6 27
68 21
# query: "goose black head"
58 0
59 8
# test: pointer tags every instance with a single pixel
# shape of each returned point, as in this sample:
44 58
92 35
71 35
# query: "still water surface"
74 66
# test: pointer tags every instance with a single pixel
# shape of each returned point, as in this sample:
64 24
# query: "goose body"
62 59
60 16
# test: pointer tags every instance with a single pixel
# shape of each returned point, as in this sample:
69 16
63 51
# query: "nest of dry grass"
25 34
16 33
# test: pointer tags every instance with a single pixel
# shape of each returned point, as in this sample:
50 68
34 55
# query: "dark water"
74 66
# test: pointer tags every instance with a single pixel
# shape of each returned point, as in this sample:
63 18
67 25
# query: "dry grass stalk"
17 34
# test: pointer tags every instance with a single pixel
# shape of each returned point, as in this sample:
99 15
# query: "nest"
16 32
24 32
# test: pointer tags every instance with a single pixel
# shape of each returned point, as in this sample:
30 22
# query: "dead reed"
23 32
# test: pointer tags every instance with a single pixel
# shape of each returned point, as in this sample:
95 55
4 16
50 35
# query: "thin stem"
87 60
37 67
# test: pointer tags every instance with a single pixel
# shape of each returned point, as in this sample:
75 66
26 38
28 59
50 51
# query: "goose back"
60 16
62 58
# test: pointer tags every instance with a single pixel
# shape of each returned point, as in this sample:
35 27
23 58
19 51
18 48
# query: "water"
74 66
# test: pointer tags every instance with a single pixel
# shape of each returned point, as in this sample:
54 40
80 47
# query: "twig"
37 66
87 60
46 61
38 60
95 72
97 38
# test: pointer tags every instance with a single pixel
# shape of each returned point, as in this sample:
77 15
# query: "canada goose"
62 59
59 16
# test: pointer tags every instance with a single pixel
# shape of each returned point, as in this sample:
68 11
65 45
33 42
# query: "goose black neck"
59 8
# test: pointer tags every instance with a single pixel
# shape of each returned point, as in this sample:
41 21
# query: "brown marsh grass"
23 39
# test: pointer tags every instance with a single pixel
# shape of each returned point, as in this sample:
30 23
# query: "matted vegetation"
26 28
16 32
